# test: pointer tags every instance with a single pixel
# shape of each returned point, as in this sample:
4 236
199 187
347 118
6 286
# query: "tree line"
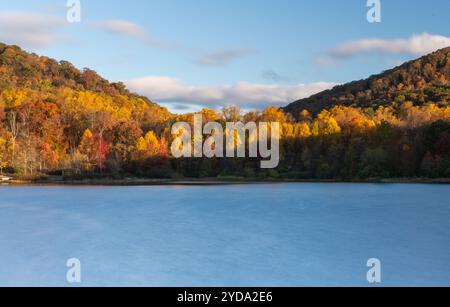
82 133
58 120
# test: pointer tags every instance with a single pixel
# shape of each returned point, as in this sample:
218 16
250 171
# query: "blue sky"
187 54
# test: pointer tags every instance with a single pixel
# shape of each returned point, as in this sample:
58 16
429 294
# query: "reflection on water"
266 235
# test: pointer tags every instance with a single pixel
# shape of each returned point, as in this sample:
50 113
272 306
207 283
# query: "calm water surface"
266 235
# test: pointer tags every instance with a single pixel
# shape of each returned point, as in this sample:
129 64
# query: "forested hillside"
57 120
423 80
50 110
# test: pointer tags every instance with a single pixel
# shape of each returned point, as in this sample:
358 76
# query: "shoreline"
211 181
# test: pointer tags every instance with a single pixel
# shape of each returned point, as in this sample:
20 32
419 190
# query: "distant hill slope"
422 80
20 69
80 98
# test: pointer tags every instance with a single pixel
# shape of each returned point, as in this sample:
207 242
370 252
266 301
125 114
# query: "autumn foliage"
58 120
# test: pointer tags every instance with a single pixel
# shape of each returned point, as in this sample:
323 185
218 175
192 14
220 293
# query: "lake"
303 234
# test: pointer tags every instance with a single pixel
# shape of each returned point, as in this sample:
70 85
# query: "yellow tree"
141 145
209 115
86 148
325 124
152 143
148 146
351 119
302 130
386 114
274 114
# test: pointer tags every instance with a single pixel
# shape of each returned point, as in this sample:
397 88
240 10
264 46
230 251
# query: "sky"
190 54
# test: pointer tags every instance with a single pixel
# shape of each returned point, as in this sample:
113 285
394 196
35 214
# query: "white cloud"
222 57
247 95
416 45
29 30
121 27
131 29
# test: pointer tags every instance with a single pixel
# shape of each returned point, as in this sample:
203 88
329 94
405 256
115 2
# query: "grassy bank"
39 180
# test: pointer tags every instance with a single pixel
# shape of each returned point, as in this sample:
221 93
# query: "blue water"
249 235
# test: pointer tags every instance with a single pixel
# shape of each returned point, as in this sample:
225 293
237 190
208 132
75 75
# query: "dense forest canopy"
58 120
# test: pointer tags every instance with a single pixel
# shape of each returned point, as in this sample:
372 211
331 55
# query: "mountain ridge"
424 79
